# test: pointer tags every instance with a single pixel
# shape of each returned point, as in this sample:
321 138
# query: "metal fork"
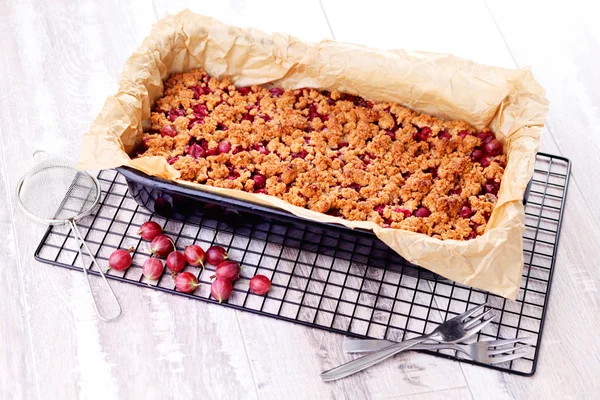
451 331
484 351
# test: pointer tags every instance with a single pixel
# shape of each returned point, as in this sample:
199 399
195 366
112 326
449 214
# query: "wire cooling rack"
352 295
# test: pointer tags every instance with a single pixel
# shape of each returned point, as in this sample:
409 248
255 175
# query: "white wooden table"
59 62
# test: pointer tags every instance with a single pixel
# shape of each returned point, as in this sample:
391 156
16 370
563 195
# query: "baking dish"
508 102
172 200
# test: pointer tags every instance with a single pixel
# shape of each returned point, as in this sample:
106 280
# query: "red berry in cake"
404 212
422 212
168 130
465 212
174 114
259 180
476 155
493 148
485 137
196 151
444 135
224 146
276 91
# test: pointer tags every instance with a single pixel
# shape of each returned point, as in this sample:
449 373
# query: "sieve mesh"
55 192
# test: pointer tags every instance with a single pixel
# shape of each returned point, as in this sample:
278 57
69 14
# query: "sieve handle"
83 245
39 156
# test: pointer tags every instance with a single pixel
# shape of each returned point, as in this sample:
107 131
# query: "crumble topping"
330 152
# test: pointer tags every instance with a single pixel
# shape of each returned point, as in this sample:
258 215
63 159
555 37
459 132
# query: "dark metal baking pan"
182 203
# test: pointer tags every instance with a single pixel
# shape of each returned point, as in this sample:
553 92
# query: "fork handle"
366 345
353 346
369 360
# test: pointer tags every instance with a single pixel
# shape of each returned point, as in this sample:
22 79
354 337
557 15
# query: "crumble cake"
330 152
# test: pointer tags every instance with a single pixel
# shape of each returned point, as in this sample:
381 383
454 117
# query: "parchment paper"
509 101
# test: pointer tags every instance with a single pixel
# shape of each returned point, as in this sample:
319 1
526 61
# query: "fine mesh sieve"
55 193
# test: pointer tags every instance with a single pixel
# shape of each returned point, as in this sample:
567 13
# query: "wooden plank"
67 58
302 19
288 363
450 394
562 46
417 25
395 25
169 339
575 286
286 360
569 361
17 379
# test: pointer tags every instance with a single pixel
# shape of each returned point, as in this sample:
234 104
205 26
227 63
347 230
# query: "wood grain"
563 48
63 58
570 353
292 17
18 377
286 359
567 358
68 58
450 394
420 25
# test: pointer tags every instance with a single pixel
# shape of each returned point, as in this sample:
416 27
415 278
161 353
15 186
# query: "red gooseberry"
260 285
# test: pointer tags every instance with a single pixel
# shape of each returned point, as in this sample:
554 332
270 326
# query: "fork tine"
507 350
470 312
510 357
478 327
477 319
503 342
